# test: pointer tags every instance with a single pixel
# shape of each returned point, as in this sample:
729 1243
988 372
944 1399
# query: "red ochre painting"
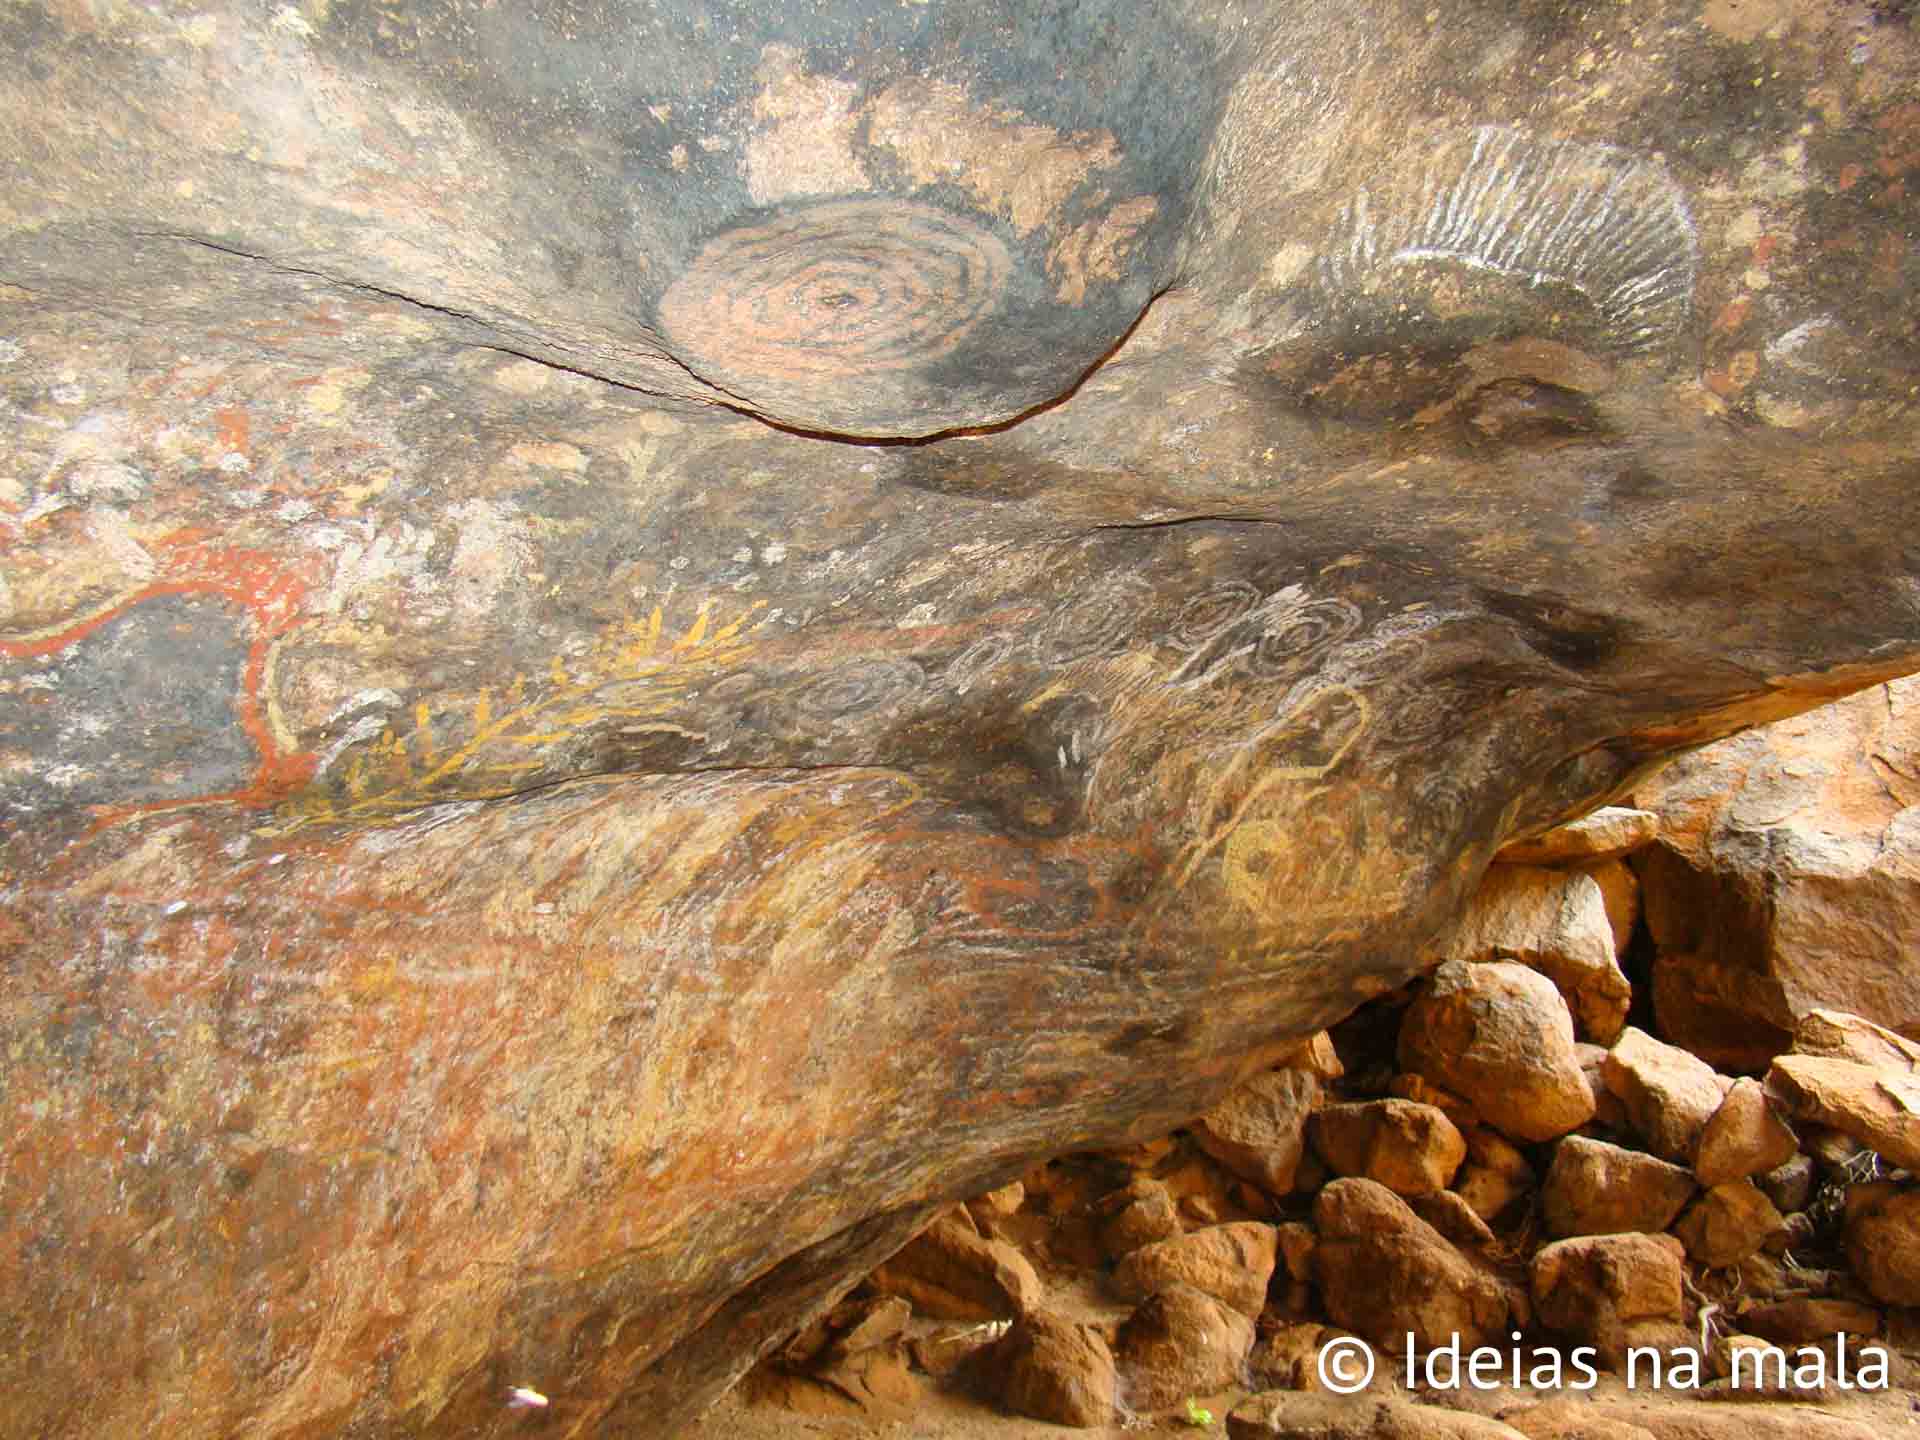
270 592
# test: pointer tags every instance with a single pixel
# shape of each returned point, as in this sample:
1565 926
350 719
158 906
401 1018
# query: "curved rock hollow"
639 644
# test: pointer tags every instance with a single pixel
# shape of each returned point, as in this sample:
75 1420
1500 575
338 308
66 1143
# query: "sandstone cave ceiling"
639 640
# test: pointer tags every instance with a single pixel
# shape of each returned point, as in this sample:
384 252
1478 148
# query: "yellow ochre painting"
484 746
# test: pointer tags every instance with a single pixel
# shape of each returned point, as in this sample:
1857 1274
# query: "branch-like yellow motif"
478 749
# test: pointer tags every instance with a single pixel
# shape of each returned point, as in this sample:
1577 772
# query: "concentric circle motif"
860 686
1094 625
1212 611
1294 634
977 661
835 291
1442 705
1423 719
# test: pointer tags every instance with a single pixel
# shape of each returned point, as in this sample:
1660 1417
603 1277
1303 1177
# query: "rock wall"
638 645
1787 878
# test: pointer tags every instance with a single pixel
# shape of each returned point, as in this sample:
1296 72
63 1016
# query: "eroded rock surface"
1554 922
1787 878
1610 1291
1057 1371
1385 1273
1501 1036
1594 1188
641 645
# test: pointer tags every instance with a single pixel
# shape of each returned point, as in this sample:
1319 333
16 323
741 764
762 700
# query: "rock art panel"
148 717
641 645
1600 220
844 294
163 696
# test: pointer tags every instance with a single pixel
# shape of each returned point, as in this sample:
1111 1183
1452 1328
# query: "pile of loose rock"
1494 1159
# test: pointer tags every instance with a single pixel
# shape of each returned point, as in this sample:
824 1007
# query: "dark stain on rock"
1632 484
1578 639
1146 1036
1027 768
964 471
1365 386
1524 414
140 710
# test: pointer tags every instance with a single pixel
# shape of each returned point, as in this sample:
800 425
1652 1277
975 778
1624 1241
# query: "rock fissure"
338 282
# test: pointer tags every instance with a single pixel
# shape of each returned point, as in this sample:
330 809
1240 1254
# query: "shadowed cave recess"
640 644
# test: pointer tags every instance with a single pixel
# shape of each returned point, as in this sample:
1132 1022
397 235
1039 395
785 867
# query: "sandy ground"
945 1410
948 1416
897 1401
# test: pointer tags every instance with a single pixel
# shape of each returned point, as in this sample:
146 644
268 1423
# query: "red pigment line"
272 599
28 649
279 771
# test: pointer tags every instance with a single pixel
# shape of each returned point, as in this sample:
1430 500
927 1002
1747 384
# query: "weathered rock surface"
1831 1150
875 1384
1555 922
1883 1245
1288 1358
1144 1214
995 1206
859 1367
1809 1320
850 1328
1283 1415
1728 1223
1669 1095
1049 1368
1411 1149
1787 878
1607 834
1854 1084
1496 1175
535 852
1572 1420
1610 1291
1260 1130
1663 1420
1594 1188
1316 1056
1296 1241
869 1324
1620 894
1232 1263
952 1272
1180 1342
1790 1186
1744 1137
1879 1108
1500 1035
1453 1217
1837 1035
1609 1111
1422 1091
1385 1274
